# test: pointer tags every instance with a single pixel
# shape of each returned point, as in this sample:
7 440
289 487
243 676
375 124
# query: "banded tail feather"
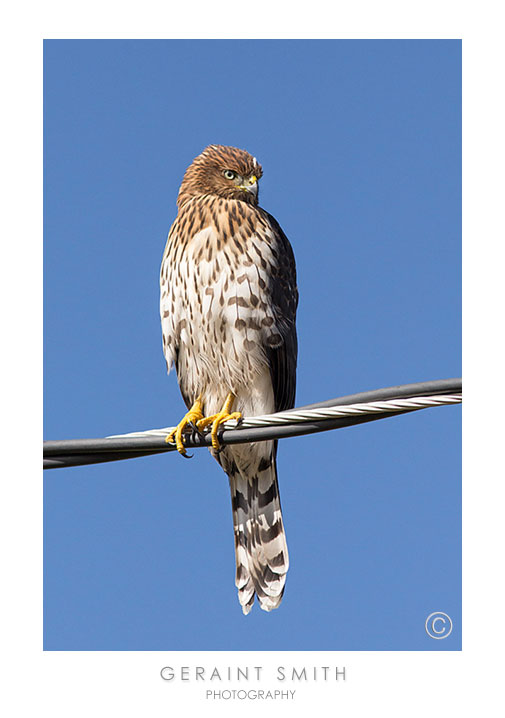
261 552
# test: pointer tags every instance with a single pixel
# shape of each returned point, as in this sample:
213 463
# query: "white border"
128 684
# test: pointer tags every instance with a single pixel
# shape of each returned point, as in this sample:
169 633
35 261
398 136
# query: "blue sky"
360 143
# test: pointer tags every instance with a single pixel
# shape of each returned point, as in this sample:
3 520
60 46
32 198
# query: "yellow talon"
194 415
217 419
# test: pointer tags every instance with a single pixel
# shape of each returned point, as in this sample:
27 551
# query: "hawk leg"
217 419
175 436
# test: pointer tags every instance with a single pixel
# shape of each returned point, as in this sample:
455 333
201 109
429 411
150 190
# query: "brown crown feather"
205 175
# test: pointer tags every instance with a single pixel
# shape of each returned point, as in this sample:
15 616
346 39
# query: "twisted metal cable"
299 416
332 414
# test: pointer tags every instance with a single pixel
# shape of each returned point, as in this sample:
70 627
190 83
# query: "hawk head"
225 172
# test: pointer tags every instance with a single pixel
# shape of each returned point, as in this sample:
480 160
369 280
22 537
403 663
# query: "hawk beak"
251 185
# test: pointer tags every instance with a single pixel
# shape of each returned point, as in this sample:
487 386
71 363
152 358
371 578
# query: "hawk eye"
229 174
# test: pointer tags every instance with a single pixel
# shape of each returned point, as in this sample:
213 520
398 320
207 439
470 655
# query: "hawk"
228 308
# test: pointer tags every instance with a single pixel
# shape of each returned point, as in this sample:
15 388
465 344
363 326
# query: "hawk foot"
189 420
217 419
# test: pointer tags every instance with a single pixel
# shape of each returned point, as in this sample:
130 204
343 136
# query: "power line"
331 414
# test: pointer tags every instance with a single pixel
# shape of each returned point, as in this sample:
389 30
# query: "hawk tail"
261 551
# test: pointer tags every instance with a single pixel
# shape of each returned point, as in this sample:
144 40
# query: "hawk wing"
282 359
